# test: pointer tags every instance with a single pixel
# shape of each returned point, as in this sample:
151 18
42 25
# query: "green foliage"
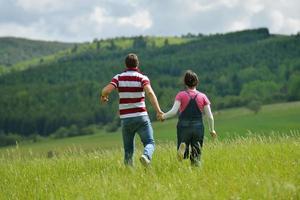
9 139
294 86
139 42
254 105
114 125
63 90
259 90
74 130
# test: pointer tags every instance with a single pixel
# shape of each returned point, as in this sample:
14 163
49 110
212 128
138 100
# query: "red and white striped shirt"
130 85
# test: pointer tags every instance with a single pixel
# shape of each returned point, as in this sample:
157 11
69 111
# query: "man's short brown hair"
191 79
131 61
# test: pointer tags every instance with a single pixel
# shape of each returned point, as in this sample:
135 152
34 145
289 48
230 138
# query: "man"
132 86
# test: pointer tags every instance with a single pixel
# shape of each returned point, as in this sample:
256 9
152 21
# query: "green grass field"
252 168
257 156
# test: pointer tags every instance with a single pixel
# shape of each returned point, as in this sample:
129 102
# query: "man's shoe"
145 160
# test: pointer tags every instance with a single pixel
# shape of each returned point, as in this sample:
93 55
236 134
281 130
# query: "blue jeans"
192 134
142 126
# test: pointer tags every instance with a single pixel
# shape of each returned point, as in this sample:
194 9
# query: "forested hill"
235 69
14 50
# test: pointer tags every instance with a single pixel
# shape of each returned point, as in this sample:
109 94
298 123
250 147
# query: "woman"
191 105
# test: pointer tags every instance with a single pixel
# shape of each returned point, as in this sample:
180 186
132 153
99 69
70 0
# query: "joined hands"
159 116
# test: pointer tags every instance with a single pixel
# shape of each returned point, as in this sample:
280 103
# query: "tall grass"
243 168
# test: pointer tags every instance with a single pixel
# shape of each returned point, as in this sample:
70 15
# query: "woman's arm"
210 120
209 117
173 111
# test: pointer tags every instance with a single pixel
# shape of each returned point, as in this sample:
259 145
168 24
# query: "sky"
85 20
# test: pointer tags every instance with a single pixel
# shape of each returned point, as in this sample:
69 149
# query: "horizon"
154 36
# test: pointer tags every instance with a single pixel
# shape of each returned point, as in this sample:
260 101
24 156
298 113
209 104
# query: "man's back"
130 85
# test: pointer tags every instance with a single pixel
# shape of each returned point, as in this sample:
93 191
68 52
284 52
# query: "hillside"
235 69
14 50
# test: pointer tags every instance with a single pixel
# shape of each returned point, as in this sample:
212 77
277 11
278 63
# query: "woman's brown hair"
191 79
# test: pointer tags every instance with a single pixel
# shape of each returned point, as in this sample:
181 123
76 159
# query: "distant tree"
113 126
294 87
9 139
191 35
153 44
74 49
112 45
254 106
259 90
166 42
139 42
97 42
98 45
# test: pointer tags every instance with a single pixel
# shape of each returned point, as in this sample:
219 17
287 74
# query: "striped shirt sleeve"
115 81
145 81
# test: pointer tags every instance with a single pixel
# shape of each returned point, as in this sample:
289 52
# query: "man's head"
131 61
191 79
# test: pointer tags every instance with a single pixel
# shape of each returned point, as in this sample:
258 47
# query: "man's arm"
151 95
105 92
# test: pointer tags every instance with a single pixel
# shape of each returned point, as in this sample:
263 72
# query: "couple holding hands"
191 105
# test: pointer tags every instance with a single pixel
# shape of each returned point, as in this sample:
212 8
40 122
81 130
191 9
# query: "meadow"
257 156
252 168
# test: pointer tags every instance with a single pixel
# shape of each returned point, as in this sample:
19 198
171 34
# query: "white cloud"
41 5
293 26
283 24
35 30
229 3
140 20
254 6
100 20
205 6
81 20
277 19
240 24
100 16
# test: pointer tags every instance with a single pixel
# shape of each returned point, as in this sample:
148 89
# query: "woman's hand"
213 134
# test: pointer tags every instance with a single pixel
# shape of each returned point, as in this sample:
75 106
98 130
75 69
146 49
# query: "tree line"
235 69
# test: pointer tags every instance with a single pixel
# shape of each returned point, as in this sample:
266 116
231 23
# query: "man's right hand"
104 99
